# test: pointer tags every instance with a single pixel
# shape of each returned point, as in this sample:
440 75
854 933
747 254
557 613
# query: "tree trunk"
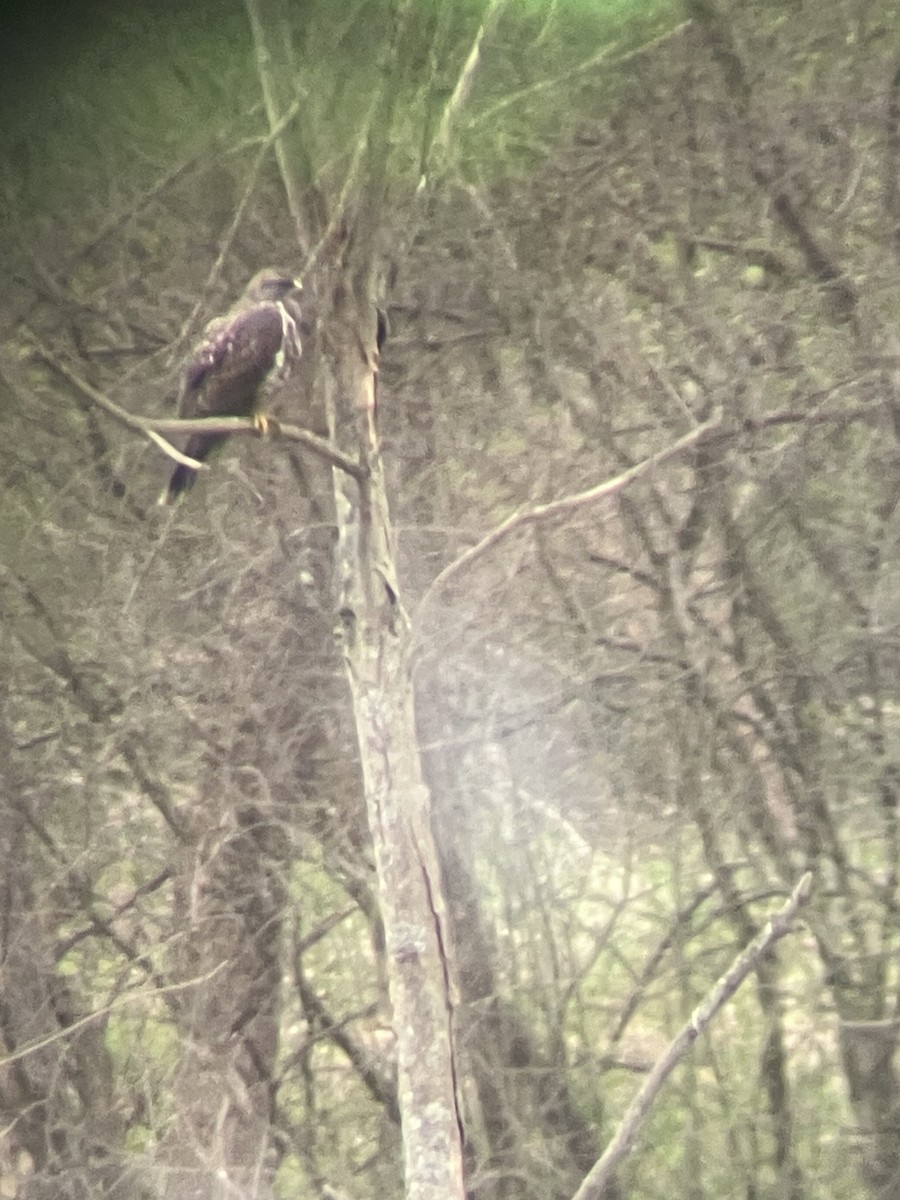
867 1048
375 638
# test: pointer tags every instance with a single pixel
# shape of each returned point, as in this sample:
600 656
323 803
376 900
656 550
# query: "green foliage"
151 90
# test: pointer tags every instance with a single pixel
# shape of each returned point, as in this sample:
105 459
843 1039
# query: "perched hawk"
226 373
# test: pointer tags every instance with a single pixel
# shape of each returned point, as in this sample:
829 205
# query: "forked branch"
566 504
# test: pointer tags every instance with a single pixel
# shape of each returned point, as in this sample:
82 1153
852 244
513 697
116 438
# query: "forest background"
596 230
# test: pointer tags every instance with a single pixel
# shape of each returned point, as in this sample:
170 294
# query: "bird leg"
265 425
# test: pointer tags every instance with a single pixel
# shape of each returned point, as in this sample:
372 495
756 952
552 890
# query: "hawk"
225 376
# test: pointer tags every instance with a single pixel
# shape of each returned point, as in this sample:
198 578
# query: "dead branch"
565 504
777 926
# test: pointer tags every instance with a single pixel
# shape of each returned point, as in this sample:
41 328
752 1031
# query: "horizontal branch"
148 426
776 927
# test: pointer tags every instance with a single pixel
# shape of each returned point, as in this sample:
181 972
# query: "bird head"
271 285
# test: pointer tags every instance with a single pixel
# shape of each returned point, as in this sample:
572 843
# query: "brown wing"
228 368
224 378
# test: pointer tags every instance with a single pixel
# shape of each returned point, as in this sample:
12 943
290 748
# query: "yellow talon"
261 424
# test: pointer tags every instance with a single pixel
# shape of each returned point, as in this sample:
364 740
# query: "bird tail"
183 477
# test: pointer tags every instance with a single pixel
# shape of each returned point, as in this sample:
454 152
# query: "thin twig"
231 233
777 926
463 87
118 1002
275 118
566 504
604 56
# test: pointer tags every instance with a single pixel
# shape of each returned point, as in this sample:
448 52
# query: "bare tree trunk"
375 638
373 628
867 1048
